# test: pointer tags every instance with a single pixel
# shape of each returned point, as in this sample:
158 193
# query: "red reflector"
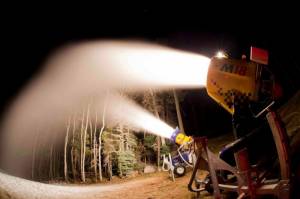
259 55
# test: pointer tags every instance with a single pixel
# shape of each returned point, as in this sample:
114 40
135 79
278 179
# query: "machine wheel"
179 170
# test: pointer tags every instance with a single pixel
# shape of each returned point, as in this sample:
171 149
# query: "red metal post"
242 161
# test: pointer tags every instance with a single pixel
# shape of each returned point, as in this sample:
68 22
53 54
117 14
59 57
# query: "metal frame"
246 186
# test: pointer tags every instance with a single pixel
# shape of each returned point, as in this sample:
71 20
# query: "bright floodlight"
221 54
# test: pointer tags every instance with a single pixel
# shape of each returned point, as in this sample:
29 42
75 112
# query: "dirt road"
150 187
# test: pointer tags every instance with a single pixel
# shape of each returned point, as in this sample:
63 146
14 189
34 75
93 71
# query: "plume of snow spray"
125 110
76 72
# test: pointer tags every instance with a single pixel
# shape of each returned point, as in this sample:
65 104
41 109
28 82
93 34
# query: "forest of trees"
92 150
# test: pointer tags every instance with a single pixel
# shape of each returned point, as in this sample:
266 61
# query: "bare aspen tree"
84 143
94 146
65 150
100 137
91 130
81 147
73 163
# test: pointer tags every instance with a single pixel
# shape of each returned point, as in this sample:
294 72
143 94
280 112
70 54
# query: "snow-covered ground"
18 188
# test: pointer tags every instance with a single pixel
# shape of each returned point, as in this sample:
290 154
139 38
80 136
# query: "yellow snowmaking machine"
245 89
232 82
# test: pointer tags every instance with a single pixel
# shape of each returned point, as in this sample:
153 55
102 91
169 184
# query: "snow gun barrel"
180 138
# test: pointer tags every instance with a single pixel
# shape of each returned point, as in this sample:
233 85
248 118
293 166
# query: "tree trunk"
158 153
100 137
95 148
91 144
99 153
65 151
72 150
109 167
81 148
84 143
179 118
76 162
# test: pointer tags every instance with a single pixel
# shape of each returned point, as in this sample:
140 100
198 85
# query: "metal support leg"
212 171
242 161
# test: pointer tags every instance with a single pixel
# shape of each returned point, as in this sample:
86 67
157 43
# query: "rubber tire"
180 170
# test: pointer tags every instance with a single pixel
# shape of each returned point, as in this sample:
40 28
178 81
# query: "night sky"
30 35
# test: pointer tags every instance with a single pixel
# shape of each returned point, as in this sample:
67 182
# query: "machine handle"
265 109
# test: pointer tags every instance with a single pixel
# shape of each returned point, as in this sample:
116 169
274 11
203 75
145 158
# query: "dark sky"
29 35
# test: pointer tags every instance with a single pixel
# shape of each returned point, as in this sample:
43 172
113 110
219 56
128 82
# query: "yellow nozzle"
180 138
